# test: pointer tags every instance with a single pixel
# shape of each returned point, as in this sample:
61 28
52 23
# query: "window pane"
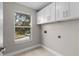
22 25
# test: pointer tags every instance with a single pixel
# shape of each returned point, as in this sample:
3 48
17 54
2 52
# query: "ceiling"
35 5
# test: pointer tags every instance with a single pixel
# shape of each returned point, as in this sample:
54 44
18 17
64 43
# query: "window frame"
23 40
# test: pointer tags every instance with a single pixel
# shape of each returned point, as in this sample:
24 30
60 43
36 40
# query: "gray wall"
9 8
1 24
69 42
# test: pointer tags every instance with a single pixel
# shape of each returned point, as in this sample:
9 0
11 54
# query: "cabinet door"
47 13
40 17
52 12
42 14
66 11
59 11
74 9
62 11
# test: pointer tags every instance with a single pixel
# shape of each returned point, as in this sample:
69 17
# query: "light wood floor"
36 52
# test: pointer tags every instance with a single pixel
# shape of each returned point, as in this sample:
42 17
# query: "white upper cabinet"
74 10
62 11
59 11
52 12
40 16
43 16
47 14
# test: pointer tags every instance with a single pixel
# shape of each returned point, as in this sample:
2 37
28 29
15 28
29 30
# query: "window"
22 26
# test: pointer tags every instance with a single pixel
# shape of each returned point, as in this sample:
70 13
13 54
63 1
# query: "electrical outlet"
45 31
59 36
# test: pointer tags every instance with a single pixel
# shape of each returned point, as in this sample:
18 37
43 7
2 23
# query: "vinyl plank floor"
40 51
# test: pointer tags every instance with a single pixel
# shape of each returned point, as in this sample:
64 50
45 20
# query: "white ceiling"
35 5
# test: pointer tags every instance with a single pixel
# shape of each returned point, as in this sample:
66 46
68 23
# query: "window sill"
22 40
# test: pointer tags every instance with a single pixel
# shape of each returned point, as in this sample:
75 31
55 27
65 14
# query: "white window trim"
23 40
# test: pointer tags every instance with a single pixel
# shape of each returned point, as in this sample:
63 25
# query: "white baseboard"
26 49
52 51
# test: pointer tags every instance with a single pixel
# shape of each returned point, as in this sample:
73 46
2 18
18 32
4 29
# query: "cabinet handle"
65 13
